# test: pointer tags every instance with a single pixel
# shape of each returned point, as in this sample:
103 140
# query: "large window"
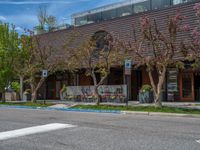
109 14
157 4
142 6
124 11
175 2
94 18
81 21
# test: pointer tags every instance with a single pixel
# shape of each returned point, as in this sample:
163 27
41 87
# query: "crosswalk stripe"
33 130
198 141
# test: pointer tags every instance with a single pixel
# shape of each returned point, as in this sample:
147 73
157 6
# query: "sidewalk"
192 105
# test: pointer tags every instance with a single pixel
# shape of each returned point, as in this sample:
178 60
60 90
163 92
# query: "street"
96 131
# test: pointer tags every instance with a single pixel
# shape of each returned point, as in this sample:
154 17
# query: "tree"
45 18
97 55
191 47
40 57
155 49
42 16
9 44
51 22
21 61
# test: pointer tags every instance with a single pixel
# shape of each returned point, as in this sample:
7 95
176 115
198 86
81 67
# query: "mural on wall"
87 92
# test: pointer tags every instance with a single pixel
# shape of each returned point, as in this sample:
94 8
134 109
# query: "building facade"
180 85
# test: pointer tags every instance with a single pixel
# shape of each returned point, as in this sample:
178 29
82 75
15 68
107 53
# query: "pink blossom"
185 27
195 32
197 8
178 16
145 22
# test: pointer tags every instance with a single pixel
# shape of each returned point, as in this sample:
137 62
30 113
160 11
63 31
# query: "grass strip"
164 109
25 104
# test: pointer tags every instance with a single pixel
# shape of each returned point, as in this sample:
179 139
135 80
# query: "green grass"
141 108
25 104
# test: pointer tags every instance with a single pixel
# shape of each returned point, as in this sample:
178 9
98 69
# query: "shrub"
15 86
146 88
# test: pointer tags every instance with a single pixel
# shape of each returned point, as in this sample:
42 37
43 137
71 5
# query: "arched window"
101 39
102 42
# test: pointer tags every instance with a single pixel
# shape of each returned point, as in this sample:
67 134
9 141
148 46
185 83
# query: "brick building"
118 18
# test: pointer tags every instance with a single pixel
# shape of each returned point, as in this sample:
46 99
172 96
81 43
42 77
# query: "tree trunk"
3 97
35 90
157 88
157 100
96 86
98 96
34 96
21 87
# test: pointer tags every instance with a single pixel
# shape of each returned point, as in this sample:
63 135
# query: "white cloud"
19 29
2 18
22 2
27 21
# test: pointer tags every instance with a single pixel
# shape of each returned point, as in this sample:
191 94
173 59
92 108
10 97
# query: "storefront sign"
172 80
172 86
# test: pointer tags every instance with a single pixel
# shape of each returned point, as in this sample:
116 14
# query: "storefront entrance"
54 84
187 92
53 89
197 86
136 84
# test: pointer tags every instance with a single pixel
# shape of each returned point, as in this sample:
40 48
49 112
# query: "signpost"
127 73
128 67
45 75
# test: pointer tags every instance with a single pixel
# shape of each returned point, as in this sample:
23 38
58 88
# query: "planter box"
10 96
146 97
26 97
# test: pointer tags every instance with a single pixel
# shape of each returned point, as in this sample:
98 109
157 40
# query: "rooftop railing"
121 9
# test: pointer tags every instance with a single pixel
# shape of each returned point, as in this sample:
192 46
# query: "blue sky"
23 13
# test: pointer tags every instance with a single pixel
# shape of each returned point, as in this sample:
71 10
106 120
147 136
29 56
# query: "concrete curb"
62 109
161 114
105 111
135 113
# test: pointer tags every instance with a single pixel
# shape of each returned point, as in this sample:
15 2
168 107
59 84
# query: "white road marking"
198 141
33 130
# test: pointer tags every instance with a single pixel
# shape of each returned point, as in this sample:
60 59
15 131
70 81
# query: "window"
101 42
109 14
80 21
94 18
100 38
175 2
124 11
157 4
142 7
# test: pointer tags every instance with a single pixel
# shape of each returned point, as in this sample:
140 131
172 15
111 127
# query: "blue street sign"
45 73
128 64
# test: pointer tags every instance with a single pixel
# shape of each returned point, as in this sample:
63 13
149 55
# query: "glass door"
58 88
187 87
50 90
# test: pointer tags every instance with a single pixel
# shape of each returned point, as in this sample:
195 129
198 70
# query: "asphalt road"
95 131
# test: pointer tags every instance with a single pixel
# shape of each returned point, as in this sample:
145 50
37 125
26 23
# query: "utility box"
10 96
